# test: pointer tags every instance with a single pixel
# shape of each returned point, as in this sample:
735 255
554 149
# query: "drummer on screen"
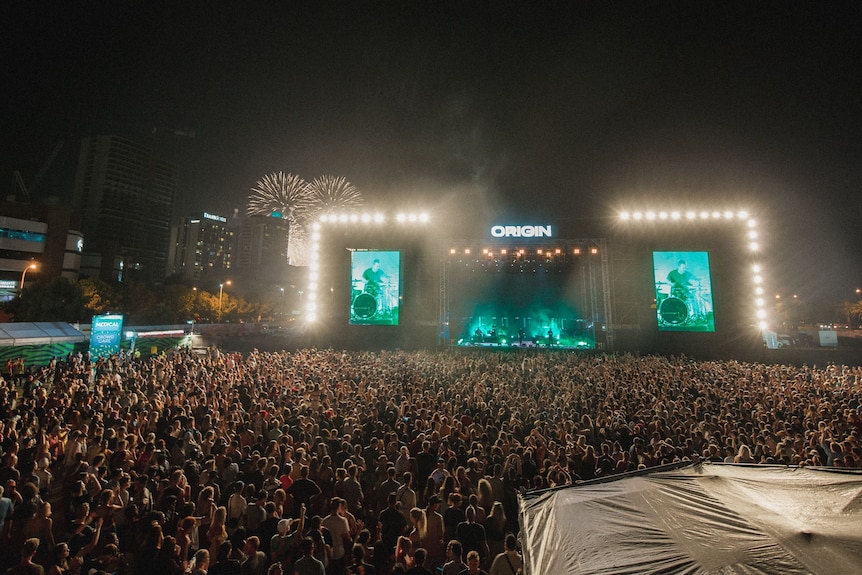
375 278
680 281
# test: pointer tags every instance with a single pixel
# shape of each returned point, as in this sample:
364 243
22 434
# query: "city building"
124 197
37 242
202 247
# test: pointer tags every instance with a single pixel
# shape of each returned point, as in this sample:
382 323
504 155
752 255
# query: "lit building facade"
202 247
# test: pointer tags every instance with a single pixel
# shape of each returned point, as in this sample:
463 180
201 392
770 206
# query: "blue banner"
105 335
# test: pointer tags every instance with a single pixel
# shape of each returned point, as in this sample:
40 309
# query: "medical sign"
105 335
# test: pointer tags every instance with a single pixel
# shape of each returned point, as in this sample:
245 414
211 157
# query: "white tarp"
705 518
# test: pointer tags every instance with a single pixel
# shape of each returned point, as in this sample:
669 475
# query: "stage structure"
372 281
657 282
688 281
524 288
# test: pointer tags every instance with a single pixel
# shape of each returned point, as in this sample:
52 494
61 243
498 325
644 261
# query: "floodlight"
366 218
354 218
716 215
411 218
625 216
761 314
401 218
753 246
751 223
452 251
577 251
743 215
704 215
752 235
728 215
756 268
423 217
638 216
378 218
762 325
675 215
758 290
758 279
650 215
759 302
662 215
343 218
690 215
594 251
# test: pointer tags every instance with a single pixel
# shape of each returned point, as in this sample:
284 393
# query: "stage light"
467 251
763 325
625 216
577 251
594 251
638 216
675 215
539 252
716 215
758 290
316 225
504 252
366 218
324 218
759 302
401 218
761 314
315 236
650 215
411 218
424 218
662 215
690 215
728 215
756 268
485 250
704 215
752 235
354 218
751 223
379 219
758 279
452 251
753 246
558 251
743 215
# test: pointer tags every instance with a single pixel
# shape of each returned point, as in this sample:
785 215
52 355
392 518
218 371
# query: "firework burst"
287 194
330 193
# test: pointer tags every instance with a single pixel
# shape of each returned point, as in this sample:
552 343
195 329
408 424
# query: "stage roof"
38 333
703 518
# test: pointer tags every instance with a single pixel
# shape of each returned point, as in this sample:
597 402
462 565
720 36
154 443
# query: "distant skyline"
491 109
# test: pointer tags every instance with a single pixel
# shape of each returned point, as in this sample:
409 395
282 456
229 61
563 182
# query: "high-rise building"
261 247
124 196
202 247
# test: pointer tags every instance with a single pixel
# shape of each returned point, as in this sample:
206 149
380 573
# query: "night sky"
536 111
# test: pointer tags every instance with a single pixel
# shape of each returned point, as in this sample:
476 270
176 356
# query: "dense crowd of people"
321 461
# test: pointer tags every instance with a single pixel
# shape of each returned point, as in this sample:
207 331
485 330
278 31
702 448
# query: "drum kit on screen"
682 307
370 302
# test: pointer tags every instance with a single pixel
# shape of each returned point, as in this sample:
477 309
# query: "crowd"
321 461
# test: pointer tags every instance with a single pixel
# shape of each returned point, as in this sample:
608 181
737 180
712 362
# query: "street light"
32 266
220 292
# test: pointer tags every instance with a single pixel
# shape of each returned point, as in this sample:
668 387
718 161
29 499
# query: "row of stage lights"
421 218
314 246
521 252
751 236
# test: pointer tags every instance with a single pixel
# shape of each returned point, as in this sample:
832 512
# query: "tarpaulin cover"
704 518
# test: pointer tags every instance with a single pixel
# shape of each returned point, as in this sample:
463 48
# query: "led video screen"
683 291
375 296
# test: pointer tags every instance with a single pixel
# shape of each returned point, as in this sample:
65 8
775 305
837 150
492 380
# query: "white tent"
703 518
